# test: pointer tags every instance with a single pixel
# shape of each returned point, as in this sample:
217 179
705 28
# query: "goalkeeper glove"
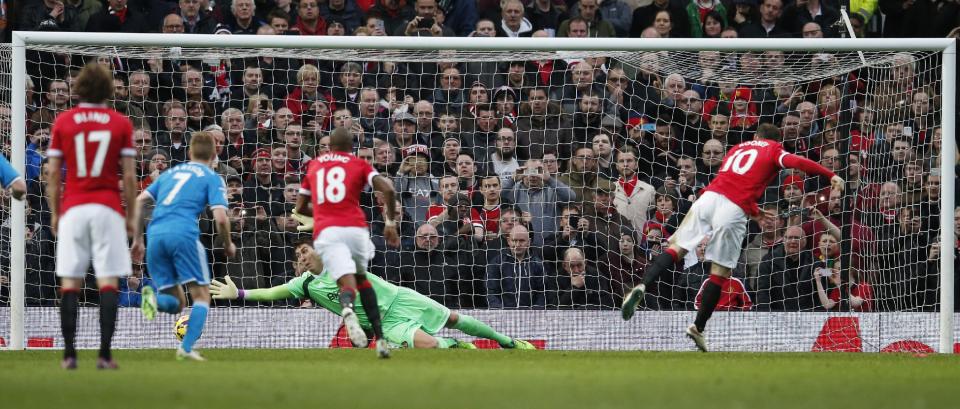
306 222
224 291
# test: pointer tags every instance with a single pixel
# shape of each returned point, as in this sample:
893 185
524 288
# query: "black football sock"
108 318
662 262
68 321
369 299
709 300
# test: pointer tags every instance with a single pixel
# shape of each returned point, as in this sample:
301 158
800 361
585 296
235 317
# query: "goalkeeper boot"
694 334
463 344
354 330
148 303
189 356
383 349
521 344
106 363
631 301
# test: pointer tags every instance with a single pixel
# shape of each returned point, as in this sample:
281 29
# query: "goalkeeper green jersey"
323 291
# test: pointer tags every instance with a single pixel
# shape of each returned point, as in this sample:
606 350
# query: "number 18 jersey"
333 182
746 171
90 139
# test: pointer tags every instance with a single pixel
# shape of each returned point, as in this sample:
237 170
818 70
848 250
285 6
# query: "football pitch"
481 379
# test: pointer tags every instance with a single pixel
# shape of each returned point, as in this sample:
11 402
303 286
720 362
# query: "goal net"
536 186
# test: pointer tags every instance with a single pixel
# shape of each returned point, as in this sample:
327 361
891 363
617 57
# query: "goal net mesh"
596 155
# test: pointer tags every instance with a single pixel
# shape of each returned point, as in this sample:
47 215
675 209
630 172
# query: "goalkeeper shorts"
409 312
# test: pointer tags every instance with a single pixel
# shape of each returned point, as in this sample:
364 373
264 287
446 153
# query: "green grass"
481 379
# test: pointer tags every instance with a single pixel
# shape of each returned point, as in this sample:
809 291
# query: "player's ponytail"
94 84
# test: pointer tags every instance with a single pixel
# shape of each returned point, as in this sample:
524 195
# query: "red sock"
673 254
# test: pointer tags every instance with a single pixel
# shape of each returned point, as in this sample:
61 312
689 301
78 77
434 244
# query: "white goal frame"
944 46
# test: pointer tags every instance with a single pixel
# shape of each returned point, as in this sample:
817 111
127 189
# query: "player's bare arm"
18 189
385 187
129 165
223 230
138 248
53 192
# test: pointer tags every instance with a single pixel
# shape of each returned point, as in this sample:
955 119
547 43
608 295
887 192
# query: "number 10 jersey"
333 182
746 171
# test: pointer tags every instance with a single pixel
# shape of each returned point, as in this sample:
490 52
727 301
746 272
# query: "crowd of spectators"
532 184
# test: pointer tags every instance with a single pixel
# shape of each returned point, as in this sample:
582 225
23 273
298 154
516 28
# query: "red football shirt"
746 171
490 218
91 139
334 182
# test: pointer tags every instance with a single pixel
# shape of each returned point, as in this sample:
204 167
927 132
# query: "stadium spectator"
516 278
415 187
769 24
513 23
346 12
540 194
545 15
595 25
176 135
450 95
487 213
785 275
574 231
152 165
583 177
393 13
220 144
116 18
860 293
604 218
540 125
49 15
467 171
56 100
425 22
172 24
633 197
265 187
446 164
424 269
771 235
583 286
503 158
196 20
606 156
371 118
798 17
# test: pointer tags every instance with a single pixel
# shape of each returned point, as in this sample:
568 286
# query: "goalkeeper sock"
198 316
663 262
445 343
109 297
472 326
710 298
167 303
369 299
347 297
68 320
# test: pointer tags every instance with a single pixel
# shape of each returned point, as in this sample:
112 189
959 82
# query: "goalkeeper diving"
409 319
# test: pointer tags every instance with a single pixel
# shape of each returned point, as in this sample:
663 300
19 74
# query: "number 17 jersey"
333 182
90 139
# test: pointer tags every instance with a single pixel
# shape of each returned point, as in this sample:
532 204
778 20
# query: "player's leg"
723 251
338 262
160 263
687 236
361 249
194 272
198 318
472 326
111 260
73 259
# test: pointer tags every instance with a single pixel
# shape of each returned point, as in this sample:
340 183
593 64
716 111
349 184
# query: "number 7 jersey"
333 182
91 139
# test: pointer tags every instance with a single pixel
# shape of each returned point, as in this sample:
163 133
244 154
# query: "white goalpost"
596 325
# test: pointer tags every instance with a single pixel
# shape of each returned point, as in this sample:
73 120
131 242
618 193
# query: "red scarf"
121 14
628 185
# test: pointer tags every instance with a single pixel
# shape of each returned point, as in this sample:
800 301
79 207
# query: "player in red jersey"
720 214
94 142
332 185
